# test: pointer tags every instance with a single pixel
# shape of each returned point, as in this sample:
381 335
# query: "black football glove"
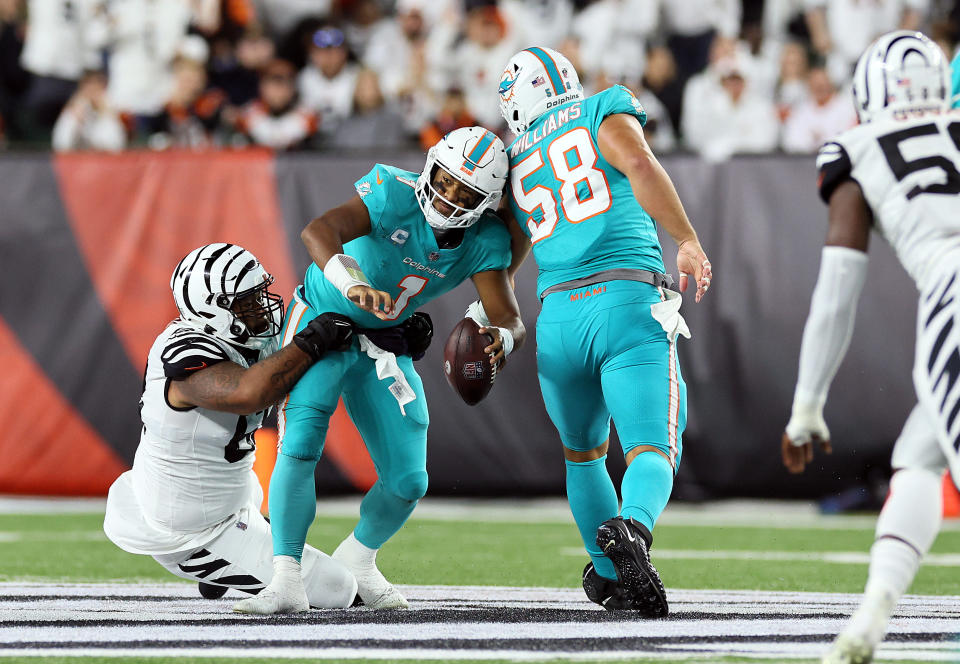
325 333
418 332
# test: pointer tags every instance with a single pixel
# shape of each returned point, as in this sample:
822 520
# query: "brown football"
466 366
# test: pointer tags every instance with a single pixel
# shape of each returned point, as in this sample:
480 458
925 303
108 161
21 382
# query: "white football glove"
806 421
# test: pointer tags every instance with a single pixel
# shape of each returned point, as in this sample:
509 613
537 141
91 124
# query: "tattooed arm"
230 388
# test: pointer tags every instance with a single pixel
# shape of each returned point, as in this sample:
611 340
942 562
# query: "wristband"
506 339
344 273
477 313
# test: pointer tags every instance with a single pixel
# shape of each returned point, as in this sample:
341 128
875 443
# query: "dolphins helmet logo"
507 81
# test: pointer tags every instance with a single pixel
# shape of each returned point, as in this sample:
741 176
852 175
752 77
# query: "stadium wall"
87 243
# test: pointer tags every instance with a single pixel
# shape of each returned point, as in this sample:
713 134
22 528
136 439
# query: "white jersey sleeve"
193 467
187 351
908 173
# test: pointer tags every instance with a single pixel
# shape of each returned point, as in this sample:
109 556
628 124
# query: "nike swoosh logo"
379 180
203 365
631 537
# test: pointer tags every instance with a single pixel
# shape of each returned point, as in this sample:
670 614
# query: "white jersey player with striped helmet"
898 173
191 499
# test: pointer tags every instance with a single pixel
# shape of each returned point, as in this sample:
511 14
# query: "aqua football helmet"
221 289
901 72
535 80
475 158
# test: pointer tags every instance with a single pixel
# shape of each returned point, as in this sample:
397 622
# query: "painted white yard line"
51 536
838 557
781 514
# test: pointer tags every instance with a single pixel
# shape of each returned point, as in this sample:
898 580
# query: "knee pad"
412 486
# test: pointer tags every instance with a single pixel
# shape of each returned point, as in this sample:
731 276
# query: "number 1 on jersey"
572 158
411 285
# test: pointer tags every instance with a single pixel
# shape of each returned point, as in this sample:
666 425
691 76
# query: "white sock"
286 569
358 553
905 531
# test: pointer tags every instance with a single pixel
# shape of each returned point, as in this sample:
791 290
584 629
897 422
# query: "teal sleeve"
618 99
374 190
955 82
493 242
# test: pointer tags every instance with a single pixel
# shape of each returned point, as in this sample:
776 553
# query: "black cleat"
605 592
210 591
624 542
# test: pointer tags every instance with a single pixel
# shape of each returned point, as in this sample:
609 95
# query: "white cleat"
849 649
284 593
373 588
269 602
864 632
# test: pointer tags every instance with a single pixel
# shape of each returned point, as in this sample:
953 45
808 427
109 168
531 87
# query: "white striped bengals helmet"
207 283
902 71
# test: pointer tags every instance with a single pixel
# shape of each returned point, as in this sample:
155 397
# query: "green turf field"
73 548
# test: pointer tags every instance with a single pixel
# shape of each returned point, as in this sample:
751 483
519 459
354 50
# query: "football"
466 366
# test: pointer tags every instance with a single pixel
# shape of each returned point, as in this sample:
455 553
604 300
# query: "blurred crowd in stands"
717 77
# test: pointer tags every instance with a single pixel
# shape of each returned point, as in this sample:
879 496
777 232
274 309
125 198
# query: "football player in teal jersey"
585 190
404 239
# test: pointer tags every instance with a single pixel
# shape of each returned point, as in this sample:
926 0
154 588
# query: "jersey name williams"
553 122
420 266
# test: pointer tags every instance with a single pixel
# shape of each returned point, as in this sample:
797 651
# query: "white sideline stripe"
838 557
778 514
51 536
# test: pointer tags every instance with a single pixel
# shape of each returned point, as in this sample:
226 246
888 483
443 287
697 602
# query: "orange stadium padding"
54 450
136 214
951 497
264 462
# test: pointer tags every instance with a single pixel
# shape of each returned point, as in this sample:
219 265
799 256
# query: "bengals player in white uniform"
897 173
191 499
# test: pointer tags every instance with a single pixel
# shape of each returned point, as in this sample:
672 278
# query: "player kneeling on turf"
191 499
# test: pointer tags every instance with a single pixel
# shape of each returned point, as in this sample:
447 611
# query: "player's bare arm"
833 305
229 387
503 312
519 241
621 142
324 238
850 219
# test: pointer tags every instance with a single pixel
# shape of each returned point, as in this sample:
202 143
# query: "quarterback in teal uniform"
585 190
404 239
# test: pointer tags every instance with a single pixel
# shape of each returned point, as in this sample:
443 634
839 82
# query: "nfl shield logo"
473 370
434 255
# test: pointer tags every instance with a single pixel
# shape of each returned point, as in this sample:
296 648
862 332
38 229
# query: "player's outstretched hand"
370 299
796 455
494 350
691 260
